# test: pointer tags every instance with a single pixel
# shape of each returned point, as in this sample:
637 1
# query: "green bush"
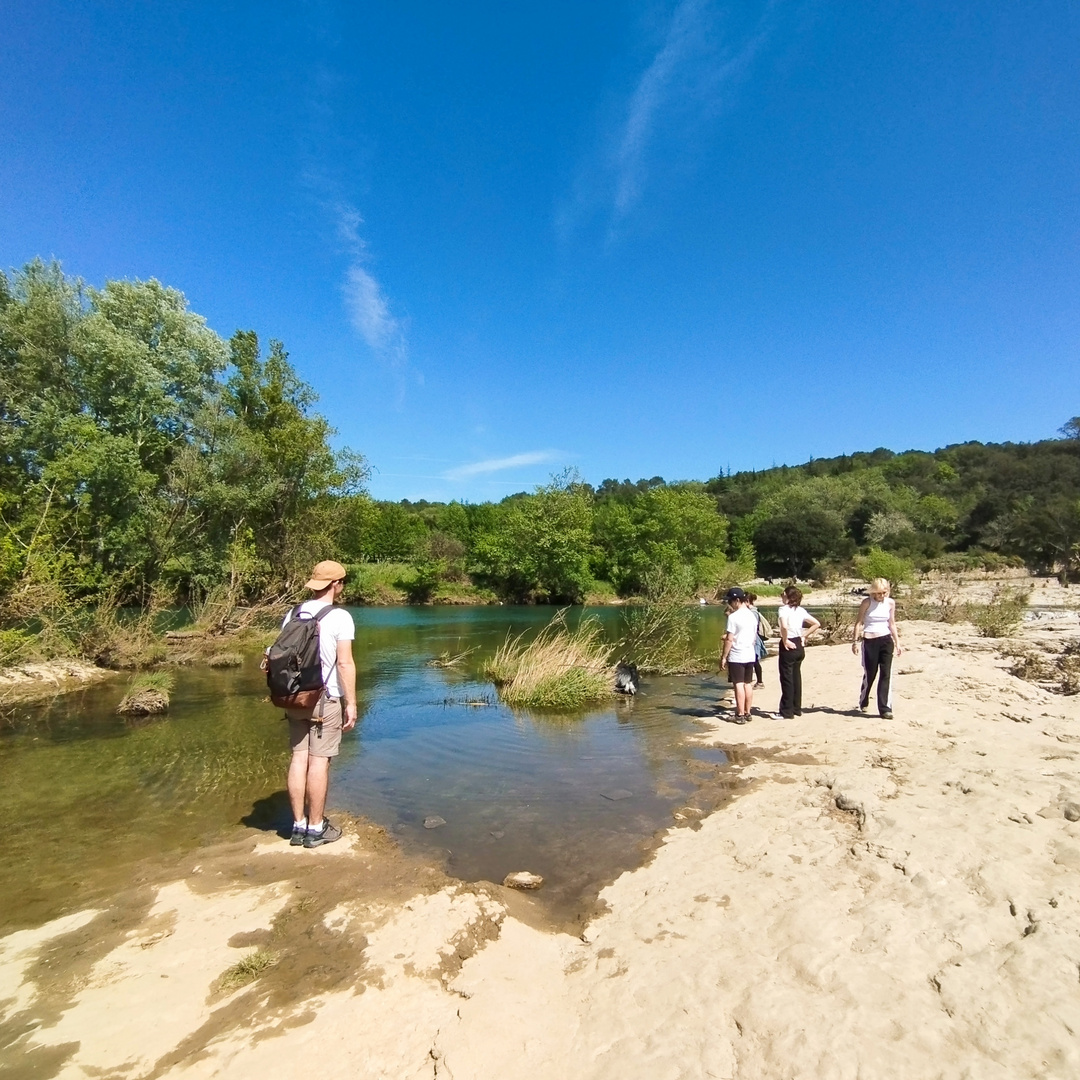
1002 616
16 646
877 563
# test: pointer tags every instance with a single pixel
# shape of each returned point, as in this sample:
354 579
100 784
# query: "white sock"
301 824
317 829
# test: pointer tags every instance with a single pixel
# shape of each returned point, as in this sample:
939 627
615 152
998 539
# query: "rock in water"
434 821
616 794
523 880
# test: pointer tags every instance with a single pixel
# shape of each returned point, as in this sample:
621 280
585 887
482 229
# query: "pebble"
522 879
434 821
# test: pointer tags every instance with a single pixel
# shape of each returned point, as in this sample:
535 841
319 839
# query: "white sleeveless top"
876 621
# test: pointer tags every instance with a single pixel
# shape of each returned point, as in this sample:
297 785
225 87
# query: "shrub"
559 669
1004 613
425 579
16 646
877 563
836 622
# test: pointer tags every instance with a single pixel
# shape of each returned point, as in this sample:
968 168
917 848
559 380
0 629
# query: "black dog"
626 678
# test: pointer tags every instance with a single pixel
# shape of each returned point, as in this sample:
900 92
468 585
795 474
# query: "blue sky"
632 238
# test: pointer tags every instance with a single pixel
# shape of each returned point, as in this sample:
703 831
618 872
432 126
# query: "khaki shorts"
320 731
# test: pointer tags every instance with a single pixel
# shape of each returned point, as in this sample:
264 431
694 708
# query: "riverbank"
32 682
880 899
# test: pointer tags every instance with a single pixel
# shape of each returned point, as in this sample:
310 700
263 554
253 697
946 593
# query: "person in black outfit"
796 626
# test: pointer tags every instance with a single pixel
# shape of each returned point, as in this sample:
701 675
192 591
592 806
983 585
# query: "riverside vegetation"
149 465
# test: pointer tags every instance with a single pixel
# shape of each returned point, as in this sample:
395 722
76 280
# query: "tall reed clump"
1004 613
559 669
661 631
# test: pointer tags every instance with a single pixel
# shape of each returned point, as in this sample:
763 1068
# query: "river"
90 800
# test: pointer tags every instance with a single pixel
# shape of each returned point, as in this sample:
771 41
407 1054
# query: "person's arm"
347 677
810 626
856 632
892 626
729 640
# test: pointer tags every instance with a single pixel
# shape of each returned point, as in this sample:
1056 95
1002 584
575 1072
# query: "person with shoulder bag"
311 675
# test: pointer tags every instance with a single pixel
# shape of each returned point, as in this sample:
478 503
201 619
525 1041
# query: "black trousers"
877 654
790 664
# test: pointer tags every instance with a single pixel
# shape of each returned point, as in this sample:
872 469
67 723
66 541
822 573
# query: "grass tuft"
147 694
226 659
246 970
559 669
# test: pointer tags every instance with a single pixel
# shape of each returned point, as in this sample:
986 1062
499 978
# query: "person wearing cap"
315 735
740 651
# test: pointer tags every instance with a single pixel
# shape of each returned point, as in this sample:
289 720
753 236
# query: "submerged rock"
434 821
616 794
522 879
143 703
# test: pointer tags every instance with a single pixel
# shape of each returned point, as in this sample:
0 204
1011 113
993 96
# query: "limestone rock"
433 821
522 879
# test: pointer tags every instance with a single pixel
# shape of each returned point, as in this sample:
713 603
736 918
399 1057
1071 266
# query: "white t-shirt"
793 619
742 624
336 625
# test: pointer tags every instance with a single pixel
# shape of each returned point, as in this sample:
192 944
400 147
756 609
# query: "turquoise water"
86 796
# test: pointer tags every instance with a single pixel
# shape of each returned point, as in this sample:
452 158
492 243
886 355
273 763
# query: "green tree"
541 547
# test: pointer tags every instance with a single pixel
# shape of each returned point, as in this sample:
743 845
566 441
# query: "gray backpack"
293 664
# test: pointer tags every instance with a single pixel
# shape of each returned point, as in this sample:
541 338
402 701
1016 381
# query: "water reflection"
86 796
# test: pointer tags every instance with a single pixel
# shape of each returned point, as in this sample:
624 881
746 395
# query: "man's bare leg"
318 779
297 782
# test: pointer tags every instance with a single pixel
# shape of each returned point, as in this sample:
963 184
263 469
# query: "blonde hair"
881 585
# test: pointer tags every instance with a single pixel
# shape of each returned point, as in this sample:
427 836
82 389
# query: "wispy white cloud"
685 34
365 301
667 114
478 468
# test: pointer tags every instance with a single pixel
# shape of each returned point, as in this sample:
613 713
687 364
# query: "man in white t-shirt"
315 735
740 651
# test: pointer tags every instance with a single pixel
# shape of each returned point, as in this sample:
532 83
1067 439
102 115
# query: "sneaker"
740 719
299 832
863 708
759 686
776 716
887 714
329 834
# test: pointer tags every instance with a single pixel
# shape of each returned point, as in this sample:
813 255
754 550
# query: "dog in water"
626 678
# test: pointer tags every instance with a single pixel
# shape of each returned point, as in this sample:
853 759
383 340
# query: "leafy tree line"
140 451
143 456
969 505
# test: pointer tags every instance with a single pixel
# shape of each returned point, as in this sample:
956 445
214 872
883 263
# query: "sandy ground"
883 899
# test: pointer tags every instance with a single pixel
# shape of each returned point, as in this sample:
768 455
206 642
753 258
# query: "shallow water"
87 796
